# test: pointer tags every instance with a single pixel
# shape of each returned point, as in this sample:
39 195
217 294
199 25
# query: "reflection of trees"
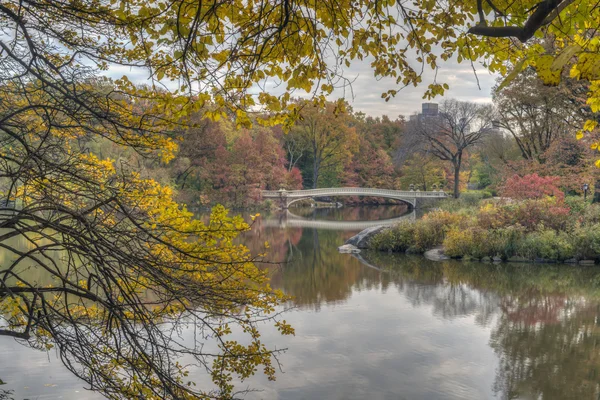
426 283
5 394
549 360
546 334
321 274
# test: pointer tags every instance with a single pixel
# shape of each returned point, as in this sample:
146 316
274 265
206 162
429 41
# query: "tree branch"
544 13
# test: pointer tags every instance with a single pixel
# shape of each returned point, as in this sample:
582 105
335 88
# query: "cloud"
367 90
364 91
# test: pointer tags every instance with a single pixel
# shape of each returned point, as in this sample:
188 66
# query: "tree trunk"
456 181
457 163
596 198
315 174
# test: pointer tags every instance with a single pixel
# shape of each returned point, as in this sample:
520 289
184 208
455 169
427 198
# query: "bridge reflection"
288 219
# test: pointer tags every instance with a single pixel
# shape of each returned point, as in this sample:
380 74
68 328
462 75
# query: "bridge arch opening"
409 203
286 198
290 220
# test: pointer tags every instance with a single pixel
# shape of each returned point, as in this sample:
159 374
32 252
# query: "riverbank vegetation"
545 229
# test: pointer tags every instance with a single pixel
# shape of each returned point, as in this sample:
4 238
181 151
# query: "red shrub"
533 213
532 186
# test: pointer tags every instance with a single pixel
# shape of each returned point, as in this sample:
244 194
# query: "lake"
382 326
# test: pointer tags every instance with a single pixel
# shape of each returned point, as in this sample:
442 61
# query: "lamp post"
585 190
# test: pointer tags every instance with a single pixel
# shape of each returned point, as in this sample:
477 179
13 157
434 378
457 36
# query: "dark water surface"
397 327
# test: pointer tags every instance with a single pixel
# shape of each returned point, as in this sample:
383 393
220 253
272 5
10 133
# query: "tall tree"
422 170
536 115
448 134
326 136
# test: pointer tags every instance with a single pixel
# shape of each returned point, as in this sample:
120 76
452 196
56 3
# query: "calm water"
398 327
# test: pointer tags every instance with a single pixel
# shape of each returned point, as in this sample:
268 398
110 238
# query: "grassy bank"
551 230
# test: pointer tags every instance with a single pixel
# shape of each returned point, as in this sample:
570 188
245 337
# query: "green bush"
416 237
586 241
590 215
479 243
577 204
506 241
428 233
486 194
546 244
458 242
398 238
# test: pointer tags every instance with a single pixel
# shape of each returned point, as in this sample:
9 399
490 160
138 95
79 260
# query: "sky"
367 90
365 93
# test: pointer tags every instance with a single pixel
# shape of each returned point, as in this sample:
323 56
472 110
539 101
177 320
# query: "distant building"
428 111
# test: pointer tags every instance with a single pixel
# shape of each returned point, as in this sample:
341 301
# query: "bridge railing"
349 191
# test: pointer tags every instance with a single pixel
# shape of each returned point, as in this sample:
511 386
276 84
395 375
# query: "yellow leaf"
564 57
590 125
579 135
544 72
513 74
589 66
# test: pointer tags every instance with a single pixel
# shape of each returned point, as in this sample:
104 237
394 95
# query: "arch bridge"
288 197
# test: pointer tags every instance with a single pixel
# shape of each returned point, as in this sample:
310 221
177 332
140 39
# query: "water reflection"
346 220
383 326
541 320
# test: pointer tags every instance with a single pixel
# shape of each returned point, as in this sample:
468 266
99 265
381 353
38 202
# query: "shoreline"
362 241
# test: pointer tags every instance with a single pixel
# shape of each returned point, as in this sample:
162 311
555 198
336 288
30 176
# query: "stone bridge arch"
288 197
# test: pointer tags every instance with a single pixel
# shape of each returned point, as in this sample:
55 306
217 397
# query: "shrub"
428 234
458 242
474 242
444 219
398 238
586 241
576 204
417 237
505 241
532 214
590 215
490 216
547 244
532 186
487 194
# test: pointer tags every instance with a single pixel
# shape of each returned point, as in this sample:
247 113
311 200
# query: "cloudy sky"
367 90
365 94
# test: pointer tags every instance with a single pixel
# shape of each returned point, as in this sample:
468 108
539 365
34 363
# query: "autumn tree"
448 134
536 115
371 164
255 162
423 171
326 137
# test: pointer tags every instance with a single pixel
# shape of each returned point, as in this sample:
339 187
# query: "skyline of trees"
219 163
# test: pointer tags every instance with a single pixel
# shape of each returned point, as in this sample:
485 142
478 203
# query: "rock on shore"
361 240
436 254
348 249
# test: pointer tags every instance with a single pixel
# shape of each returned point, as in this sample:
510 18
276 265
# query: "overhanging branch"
543 14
